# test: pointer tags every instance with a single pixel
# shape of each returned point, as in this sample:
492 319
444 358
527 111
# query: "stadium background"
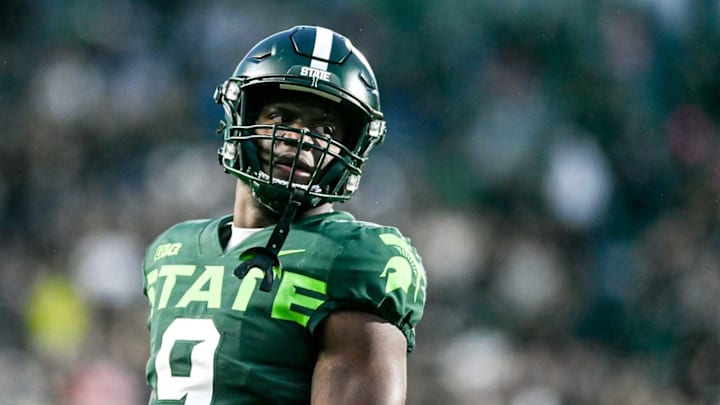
556 162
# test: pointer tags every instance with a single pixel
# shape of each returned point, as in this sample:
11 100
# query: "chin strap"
266 258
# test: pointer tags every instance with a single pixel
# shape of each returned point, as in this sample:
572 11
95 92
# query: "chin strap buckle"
266 258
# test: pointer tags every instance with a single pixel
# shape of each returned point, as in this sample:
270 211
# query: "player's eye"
325 129
278 118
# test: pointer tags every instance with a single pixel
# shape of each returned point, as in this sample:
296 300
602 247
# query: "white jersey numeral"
197 387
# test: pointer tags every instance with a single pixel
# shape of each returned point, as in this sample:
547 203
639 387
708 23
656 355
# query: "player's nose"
299 133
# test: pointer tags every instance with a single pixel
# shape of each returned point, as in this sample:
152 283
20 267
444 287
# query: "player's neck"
248 213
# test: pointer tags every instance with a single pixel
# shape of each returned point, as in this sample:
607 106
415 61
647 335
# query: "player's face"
307 114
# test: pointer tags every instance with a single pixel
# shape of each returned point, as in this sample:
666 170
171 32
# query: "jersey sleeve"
379 272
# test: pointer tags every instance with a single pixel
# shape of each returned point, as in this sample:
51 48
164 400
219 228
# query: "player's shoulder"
363 238
345 228
362 245
375 270
183 230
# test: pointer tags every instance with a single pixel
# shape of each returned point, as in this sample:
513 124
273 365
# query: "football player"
287 301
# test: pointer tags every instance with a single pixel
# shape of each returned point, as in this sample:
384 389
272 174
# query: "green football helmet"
316 62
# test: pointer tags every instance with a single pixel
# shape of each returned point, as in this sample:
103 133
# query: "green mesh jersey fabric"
219 340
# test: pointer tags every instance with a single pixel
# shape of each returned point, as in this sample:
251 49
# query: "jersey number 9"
197 386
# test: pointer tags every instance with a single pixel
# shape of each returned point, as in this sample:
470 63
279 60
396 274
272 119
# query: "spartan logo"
401 269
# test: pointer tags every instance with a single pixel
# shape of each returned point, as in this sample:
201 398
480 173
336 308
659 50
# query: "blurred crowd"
556 162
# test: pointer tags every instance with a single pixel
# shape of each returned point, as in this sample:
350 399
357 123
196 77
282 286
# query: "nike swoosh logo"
290 252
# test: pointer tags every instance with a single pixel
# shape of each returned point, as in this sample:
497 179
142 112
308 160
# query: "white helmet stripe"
322 49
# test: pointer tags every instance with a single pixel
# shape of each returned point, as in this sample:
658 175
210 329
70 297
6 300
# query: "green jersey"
216 339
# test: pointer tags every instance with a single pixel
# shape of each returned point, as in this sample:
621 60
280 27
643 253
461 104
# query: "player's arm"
362 360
